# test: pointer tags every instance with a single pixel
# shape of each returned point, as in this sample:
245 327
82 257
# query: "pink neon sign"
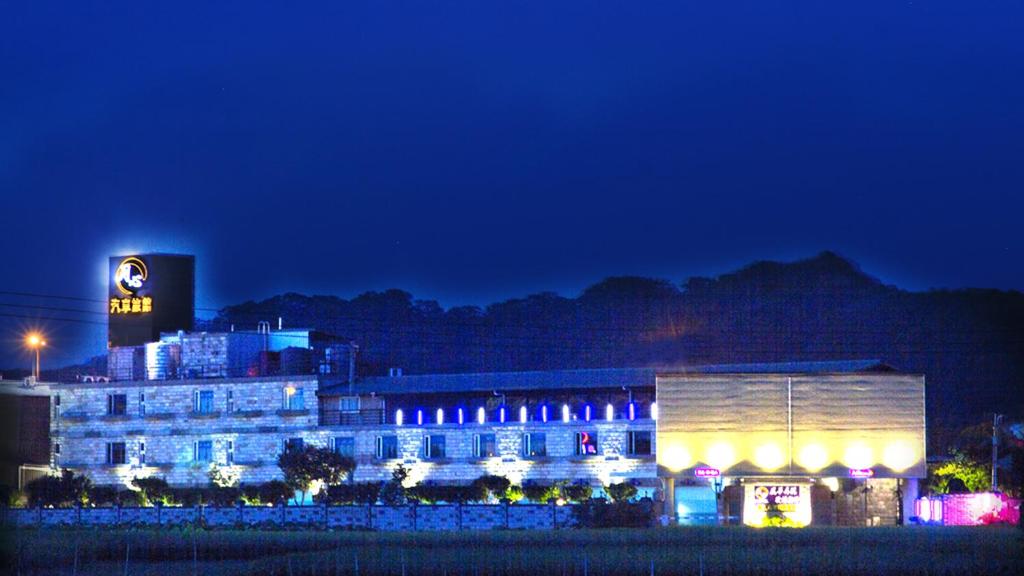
707 472
861 472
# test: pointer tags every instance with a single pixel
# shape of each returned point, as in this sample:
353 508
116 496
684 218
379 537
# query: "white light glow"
677 458
419 417
462 416
481 415
440 415
898 456
399 417
768 457
812 457
609 413
565 413
858 456
721 456
544 413
522 414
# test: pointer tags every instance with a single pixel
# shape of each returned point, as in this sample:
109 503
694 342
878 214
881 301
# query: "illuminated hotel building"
794 443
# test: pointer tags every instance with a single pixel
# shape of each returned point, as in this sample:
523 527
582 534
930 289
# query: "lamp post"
35 341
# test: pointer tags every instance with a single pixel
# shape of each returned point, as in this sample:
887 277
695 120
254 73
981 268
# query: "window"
638 443
56 407
535 444
433 447
229 459
117 404
230 404
293 444
586 443
142 404
115 452
142 453
293 399
349 404
203 402
387 447
345 446
56 448
202 451
484 446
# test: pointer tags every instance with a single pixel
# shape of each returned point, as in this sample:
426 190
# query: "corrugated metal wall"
802 425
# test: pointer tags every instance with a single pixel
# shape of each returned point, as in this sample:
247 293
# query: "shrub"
153 490
103 496
493 486
599 514
189 496
578 493
537 492
275 492
251 495
224 496
67 489
430 493
361 493
621 492
513 494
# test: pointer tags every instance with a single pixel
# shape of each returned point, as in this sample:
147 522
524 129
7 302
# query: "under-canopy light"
399 417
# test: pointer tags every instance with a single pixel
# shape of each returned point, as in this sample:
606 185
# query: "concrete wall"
411 517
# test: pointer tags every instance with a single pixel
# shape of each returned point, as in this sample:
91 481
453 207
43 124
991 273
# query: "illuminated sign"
777 505
131 305
129 275
861 472
707 472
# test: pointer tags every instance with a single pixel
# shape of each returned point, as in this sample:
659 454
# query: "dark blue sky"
474 151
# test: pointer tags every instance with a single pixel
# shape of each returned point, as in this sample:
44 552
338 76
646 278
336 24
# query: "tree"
960 474
393 493
305 467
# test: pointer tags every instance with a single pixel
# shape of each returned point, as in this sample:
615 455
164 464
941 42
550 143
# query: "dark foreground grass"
709 551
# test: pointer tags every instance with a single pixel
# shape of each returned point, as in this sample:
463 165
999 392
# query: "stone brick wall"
386 518
870 502
160 416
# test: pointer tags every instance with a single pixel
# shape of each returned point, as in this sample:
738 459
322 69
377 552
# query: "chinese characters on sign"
785 498
131 305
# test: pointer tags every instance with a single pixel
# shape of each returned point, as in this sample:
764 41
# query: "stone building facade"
178 430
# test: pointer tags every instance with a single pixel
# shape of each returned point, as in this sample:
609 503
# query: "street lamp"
35 341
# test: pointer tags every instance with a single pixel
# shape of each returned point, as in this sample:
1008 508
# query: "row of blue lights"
481 414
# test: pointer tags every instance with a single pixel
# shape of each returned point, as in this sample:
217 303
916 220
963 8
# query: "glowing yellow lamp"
858 456
720 455
768 457
813 457
898 456
677 457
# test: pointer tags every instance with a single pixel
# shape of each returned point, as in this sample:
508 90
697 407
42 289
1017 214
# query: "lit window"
115 453
433 447
639 443
535 445
293 398
586 443
202 451
229 458
202 402
117 404
230 403
142 404
349 404
387 447
484 446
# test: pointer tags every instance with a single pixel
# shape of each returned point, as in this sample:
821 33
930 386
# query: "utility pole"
996 418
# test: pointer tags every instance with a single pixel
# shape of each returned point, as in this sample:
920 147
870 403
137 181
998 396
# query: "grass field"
709 551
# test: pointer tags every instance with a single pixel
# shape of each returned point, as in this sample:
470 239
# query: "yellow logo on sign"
130 275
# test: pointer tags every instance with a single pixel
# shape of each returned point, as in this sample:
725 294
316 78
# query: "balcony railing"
351 418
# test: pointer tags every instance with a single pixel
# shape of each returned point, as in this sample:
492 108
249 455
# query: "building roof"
581 378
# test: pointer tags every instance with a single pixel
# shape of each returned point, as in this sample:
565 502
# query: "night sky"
474 151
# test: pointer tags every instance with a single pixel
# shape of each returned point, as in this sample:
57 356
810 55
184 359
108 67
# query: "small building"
24 431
